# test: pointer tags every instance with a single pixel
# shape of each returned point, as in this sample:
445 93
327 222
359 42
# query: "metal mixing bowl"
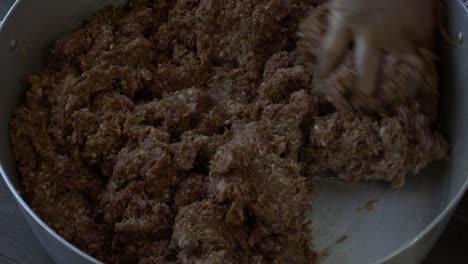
401 228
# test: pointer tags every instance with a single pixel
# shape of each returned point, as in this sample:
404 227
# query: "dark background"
453 245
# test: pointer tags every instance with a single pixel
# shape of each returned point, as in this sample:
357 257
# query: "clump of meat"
363 148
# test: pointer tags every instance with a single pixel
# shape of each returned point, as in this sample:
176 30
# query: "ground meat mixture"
191 131
407 80
381 137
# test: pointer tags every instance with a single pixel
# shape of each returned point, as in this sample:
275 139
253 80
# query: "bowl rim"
22 203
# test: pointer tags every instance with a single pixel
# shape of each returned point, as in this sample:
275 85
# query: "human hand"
375 27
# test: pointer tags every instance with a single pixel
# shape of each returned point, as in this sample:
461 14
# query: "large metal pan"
401 228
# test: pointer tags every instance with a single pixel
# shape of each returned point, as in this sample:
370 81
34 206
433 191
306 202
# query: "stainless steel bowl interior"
400 229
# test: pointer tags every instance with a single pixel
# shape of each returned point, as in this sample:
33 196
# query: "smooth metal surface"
401 228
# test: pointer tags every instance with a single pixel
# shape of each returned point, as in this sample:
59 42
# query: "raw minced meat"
190 132
390 134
